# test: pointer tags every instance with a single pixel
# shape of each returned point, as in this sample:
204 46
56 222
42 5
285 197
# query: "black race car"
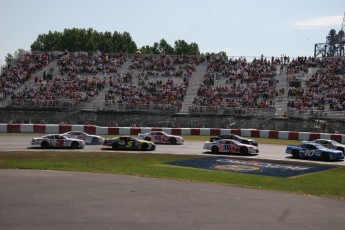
235 137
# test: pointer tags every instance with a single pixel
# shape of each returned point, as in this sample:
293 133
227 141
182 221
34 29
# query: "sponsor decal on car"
253 166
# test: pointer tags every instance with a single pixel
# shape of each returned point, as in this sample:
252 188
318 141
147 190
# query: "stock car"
160 137
312 150
87 138
331 144
230 146
235 137
57 141
129 143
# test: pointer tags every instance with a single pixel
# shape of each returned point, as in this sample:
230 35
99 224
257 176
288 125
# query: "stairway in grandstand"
282 100
193 86
98 100
31 82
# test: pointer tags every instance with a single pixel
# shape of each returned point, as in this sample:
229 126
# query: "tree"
165 48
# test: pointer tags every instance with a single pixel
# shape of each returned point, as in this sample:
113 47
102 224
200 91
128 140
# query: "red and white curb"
99 130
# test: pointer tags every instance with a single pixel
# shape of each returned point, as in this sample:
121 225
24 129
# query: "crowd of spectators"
251 84
90 62
60 89
324 89
19 71
151 93
149 66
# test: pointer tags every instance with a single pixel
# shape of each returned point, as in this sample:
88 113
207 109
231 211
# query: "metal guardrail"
126 107
316 114
231 111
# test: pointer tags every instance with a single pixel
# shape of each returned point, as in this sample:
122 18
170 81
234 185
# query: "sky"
239 27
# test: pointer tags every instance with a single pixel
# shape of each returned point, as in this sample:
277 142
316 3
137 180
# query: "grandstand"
300 94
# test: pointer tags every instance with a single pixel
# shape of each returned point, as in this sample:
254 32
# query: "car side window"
311 147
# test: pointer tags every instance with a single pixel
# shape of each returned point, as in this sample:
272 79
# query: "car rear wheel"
325 157
144 146
173 141
244 151
74 145
214 150
147 139
295 154
115 146
44 145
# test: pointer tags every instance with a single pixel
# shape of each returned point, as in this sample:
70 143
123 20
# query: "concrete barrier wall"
91 129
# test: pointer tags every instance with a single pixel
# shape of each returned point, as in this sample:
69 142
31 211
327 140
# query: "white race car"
230 146
88 138
57 141
161 138
331 144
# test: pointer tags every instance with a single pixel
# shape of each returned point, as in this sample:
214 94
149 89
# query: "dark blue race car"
314 150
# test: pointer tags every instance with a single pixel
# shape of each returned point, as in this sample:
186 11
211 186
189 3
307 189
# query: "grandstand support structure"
334 46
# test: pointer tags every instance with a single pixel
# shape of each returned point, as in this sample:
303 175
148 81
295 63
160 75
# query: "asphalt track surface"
33 199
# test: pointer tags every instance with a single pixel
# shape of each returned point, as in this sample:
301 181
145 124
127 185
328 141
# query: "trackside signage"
253 166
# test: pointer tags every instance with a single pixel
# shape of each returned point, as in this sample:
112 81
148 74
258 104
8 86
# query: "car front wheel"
94 141
244 151
325 157
214 150
172 140
144 146
44 145
75 145
115 146
295 154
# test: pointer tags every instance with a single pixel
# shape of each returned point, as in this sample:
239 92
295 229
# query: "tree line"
91 40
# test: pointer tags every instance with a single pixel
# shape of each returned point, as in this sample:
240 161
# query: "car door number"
309 153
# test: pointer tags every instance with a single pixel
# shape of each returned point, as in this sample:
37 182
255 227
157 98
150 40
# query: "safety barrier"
99 130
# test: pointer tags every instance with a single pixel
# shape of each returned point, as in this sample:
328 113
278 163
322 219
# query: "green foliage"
90 40
85 40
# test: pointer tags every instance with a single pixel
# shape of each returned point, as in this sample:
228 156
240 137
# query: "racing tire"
295 154
173 141
74 145
44 145
115 146
147 139
94 141
144 147
244 151
325 157
215 150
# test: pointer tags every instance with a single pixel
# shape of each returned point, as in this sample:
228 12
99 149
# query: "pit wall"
99 130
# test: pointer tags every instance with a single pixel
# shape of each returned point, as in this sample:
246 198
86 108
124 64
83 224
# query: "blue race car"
314 150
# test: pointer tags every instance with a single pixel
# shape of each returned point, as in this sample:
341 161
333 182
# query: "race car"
230 146
88 138
130 143
312 150
57 141
331 144
235 137
161 138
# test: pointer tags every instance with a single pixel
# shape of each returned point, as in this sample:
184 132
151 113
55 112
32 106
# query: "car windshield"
318 146
333 142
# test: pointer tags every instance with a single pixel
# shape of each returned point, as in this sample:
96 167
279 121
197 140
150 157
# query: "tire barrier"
99 130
